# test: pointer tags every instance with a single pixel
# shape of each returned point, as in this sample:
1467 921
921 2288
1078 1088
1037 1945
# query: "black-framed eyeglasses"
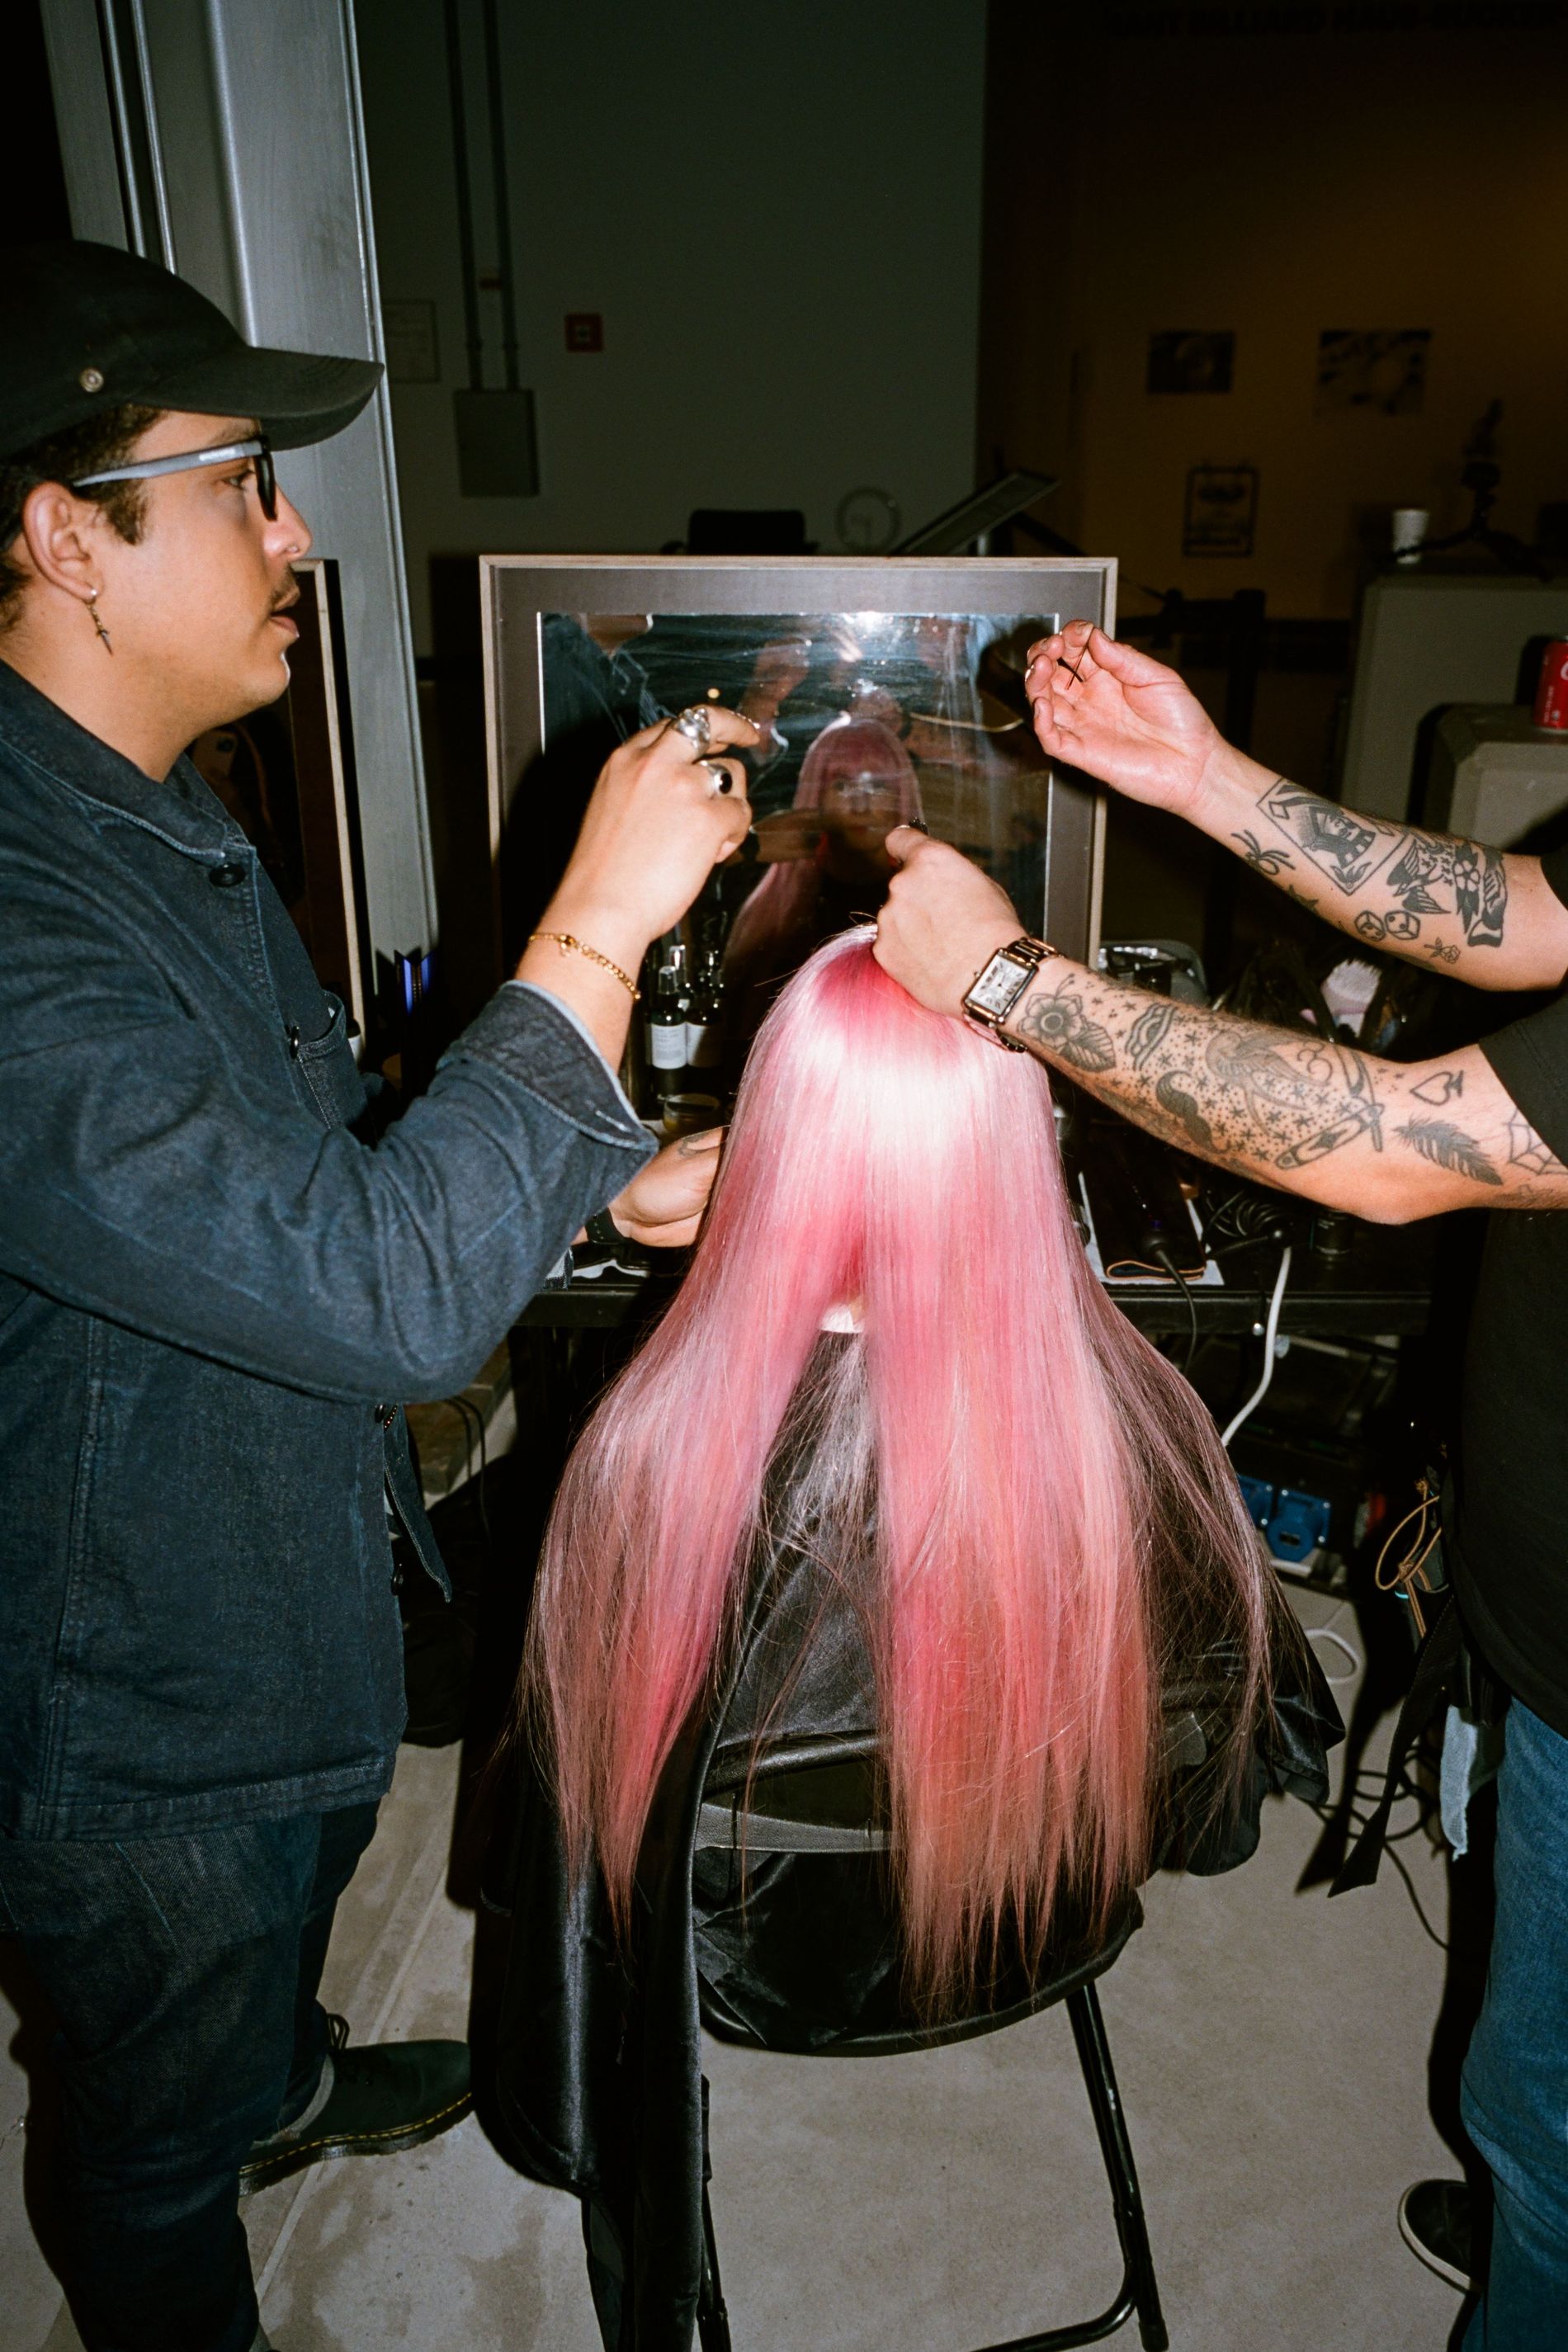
258 450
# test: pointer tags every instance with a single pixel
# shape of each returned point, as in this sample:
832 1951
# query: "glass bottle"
664 1028
705 1013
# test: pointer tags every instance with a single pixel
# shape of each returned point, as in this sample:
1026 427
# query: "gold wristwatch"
999 986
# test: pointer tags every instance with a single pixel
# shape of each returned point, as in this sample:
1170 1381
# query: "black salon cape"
599 2058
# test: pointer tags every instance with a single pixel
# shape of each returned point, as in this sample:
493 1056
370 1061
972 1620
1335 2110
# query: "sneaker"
1435 2223
382 2099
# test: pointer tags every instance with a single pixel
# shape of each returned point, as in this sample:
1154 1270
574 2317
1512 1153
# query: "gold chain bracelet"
570 946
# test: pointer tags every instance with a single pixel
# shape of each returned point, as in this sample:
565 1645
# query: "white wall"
775 208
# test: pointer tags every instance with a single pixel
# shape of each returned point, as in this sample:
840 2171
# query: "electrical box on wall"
1495 775
498 455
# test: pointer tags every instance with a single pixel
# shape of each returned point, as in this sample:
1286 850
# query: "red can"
1552 694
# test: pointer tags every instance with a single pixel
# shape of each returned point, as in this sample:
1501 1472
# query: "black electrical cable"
502 199
1247 1241
1431 1932
1244 1216
1356 1821
465 1406
1163 1257
1215 1215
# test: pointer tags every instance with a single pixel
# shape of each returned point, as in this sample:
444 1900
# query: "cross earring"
97 622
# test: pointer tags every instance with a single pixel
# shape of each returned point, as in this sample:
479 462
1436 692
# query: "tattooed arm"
1488 917
1389 1140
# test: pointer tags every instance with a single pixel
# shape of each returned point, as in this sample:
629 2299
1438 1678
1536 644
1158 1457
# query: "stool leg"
1110 2123
712 2314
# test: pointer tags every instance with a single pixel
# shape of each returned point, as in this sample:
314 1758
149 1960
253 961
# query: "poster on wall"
1184 358
1380 369
1221 513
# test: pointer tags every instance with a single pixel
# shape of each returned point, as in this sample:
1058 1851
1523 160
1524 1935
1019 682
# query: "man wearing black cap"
215 1288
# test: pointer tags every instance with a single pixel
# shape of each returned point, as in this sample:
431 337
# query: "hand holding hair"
1122 717
943 921
662 1206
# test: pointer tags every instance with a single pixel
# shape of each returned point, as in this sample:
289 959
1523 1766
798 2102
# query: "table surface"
1381 1283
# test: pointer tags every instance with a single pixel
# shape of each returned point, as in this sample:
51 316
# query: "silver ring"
695 726
723 782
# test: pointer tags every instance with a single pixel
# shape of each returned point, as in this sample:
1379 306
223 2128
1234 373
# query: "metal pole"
251 152
472 336
502 199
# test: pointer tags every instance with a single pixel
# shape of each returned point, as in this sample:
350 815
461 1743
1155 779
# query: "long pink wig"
774 925
1053 1513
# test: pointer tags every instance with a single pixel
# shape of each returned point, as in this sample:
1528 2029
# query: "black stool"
804 1806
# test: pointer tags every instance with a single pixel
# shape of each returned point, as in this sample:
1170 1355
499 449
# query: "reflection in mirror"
868 720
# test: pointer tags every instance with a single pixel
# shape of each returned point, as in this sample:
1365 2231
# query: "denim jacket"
214 1294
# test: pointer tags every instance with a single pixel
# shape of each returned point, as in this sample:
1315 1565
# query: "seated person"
893 1479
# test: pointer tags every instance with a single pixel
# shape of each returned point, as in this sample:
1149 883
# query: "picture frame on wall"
285 774
1220 517
1380 371
1191 359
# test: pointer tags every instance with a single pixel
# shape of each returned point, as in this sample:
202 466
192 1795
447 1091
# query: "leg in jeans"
1515 2096
172 1965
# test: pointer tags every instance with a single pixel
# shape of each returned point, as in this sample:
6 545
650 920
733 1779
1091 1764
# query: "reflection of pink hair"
1054 1514
774 922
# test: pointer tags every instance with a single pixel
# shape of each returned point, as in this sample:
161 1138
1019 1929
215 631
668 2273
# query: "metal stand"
712 2314
1139 2294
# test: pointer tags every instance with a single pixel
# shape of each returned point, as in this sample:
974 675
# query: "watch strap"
1026 953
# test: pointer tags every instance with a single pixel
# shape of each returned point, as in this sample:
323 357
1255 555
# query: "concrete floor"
1272 2053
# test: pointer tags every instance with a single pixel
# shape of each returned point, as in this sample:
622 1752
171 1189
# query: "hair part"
105 440
1055 1522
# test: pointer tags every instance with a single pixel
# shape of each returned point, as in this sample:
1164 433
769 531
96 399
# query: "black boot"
1436 2223
382 2099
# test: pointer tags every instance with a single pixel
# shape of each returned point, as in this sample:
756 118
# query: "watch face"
998 985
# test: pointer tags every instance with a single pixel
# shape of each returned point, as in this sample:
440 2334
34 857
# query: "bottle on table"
705 1013
665 1027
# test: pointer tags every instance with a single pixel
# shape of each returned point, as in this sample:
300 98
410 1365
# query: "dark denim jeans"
182 1971
1515 2096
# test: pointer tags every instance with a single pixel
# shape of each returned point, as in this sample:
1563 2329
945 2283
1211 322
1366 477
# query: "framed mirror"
885 690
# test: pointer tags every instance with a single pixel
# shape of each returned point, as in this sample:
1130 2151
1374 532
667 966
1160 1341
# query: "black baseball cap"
86 327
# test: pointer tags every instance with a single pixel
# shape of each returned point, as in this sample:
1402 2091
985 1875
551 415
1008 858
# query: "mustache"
284 598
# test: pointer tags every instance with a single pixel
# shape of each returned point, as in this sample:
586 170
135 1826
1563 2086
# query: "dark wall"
1277 174
36 189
